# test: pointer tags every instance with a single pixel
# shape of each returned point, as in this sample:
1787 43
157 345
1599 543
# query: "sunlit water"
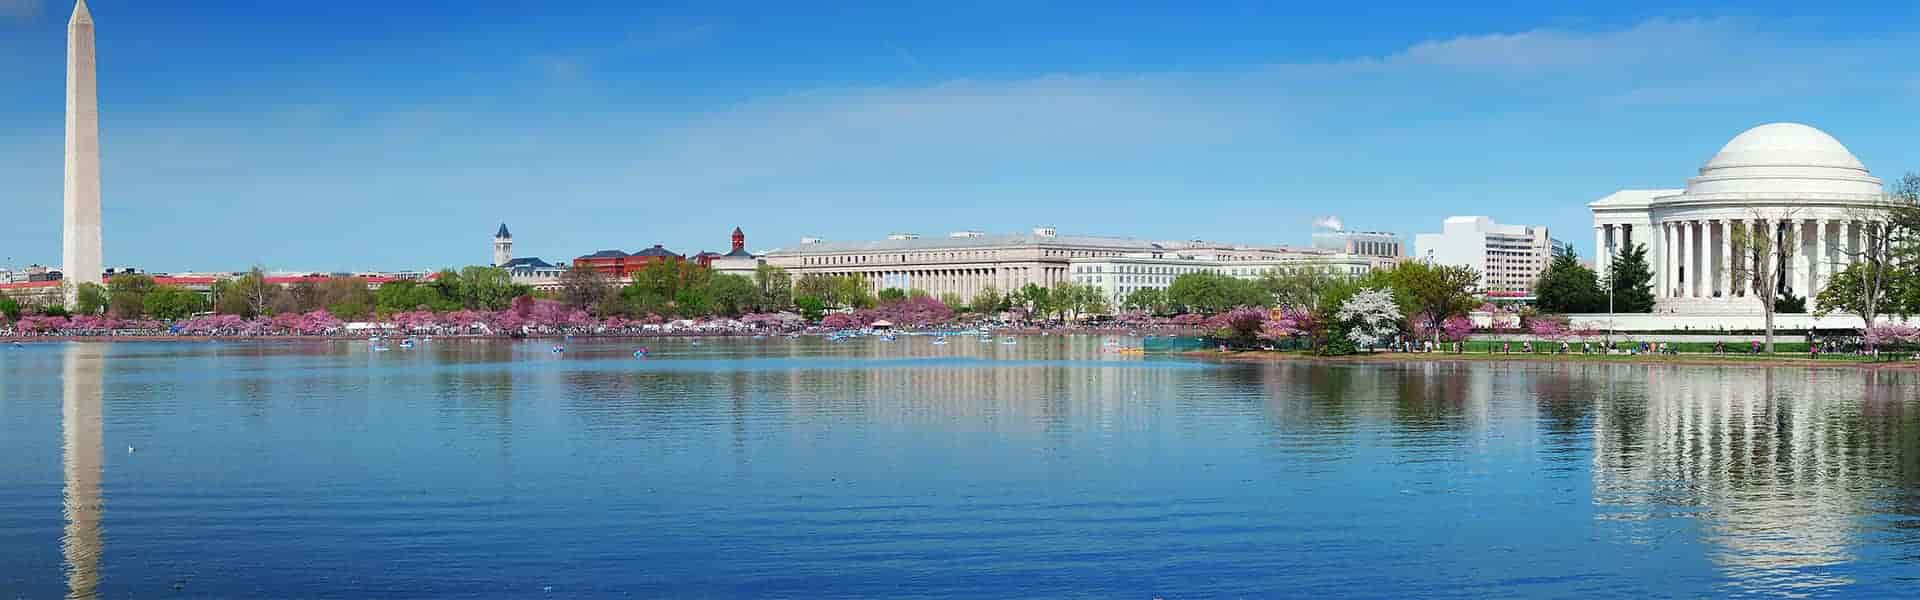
900 469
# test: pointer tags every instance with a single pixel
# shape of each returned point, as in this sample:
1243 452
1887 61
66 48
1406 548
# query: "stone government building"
1775 173
967 263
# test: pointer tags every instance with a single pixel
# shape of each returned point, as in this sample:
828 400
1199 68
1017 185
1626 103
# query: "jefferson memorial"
1778 175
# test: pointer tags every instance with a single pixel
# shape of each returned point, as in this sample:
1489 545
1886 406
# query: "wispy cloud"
21 10
1538 50
1651 62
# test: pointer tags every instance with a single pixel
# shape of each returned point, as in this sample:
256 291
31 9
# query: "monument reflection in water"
82 370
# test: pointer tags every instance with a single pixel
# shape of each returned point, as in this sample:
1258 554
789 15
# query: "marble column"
1666 261
1822 256
1802 280
1697 256
1852 240
1726 257
1709 277
1765 231
1600 258
1686 274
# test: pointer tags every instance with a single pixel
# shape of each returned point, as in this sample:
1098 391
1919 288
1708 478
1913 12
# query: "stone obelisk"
80 248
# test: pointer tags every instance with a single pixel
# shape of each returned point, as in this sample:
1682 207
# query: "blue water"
904 469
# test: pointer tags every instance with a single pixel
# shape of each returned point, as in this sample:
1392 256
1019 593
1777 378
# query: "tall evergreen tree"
1631 278
1568 286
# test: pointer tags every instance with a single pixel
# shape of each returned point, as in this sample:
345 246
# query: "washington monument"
80 246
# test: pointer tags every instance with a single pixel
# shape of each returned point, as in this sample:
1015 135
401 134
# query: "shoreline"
1776 360
1023 332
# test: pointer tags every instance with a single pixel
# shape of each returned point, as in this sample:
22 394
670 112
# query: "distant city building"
529 271
1119 276
502 246
622 265
968 262
1329 233
1509 258
965 265
737 261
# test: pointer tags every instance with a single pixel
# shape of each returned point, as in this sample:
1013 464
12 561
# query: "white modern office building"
1787 178
1118 276
1509 258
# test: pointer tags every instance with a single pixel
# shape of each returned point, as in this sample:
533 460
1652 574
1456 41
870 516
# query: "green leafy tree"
732 295
1035 299
989 300
1631 278
1430 293
1207 292
489 288
1301 286
1075 300
127 295
660 288
692 302
90 299
891 295
1151 300
10 308
172 303
448 284
839 291
953 301
776 287
405 296
1568 286
811 308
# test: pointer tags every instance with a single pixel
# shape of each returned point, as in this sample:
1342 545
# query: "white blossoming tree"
1370 316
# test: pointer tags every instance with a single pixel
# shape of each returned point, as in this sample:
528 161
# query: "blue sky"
351 135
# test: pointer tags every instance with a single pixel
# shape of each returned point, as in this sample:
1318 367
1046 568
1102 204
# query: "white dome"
1783 160
1784 145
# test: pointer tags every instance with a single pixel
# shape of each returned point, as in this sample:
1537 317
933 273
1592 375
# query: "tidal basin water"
906 469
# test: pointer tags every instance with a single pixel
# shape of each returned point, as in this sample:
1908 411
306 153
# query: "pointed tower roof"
81 16
503 232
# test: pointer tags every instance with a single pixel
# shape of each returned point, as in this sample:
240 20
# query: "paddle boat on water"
940 341
557 349
641 353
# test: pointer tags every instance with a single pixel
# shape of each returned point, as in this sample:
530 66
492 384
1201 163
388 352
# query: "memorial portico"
1788 180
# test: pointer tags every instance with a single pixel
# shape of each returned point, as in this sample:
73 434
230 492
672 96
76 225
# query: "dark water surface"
902 469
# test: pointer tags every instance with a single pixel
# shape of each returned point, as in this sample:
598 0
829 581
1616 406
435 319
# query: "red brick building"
620 264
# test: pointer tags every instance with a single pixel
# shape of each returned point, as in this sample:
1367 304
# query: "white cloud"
1542 49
